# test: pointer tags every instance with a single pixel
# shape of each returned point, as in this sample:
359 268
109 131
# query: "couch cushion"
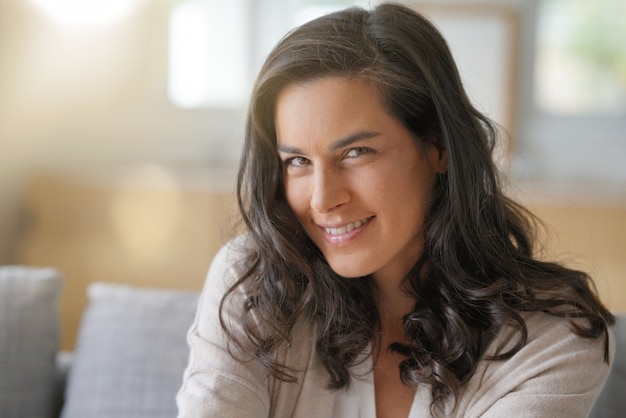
29 335
130 354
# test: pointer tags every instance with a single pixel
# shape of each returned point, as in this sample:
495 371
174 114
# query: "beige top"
557 374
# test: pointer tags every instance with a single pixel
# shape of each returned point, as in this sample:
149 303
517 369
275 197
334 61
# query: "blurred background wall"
75 94
117 152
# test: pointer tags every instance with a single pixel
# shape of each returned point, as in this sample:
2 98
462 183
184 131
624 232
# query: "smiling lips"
347 228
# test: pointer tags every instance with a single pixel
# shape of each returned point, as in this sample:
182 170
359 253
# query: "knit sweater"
556 374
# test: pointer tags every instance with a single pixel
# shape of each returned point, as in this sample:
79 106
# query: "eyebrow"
344 142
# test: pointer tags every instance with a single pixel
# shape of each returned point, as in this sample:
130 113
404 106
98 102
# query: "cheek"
296 196
404 196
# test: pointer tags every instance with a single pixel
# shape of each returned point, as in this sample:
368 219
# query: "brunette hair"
478 271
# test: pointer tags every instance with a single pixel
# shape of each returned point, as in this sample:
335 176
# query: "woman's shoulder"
551 344
228 264
229 291
555 369
233 252
547 331
221 279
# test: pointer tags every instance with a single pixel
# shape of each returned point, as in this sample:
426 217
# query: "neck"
393 304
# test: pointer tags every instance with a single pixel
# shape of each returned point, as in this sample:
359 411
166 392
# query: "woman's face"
355 177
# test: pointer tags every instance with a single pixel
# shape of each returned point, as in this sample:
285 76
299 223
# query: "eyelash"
289 162
303 161
359 151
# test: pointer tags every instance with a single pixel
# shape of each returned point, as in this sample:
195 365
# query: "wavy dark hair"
478 271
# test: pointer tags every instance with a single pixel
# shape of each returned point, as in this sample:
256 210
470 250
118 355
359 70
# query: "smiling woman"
349 163
383 272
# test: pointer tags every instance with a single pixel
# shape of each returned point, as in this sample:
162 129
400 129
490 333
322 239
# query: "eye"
356 151
296 162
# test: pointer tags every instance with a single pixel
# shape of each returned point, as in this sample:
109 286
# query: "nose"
330 189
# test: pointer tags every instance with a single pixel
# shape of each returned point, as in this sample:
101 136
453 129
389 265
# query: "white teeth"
346 228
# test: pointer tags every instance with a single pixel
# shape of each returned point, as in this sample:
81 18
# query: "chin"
348 270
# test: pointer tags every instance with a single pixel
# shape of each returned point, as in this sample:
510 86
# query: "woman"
383 272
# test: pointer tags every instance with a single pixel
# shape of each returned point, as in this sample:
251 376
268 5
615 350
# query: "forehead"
330 106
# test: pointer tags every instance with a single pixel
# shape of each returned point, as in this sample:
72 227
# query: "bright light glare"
86 12
207 53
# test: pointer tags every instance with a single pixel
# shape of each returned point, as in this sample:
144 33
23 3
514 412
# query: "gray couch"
130 354
129 358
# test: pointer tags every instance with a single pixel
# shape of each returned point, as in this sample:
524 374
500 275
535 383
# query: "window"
575 119
208 53
216 48
581 56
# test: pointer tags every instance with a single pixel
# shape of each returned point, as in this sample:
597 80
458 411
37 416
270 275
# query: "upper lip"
342 223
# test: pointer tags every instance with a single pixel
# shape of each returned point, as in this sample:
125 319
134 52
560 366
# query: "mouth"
347 227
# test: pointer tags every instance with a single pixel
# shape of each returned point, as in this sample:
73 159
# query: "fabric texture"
29 338
130 353
612 400
556 374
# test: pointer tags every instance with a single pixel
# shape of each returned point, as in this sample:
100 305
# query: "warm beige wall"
53 83
587 231
81 96
143 225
